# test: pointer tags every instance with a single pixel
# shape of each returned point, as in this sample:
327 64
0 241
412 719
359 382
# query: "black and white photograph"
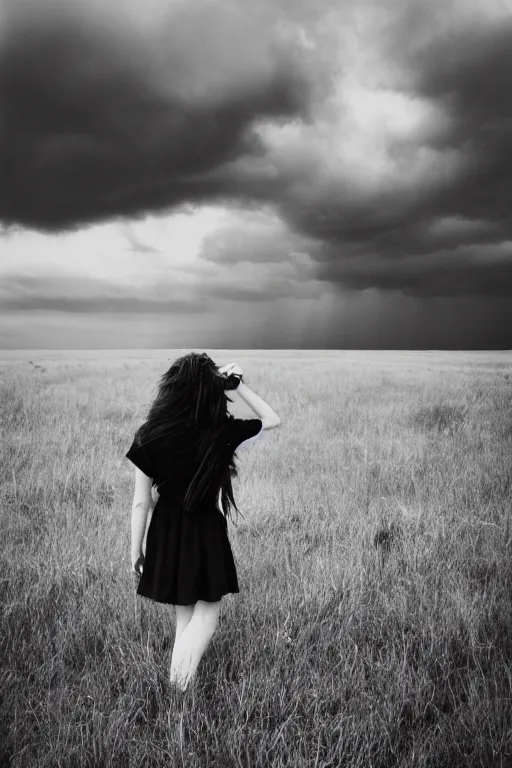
256 383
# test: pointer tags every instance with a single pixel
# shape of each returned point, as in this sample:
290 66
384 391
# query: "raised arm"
269 417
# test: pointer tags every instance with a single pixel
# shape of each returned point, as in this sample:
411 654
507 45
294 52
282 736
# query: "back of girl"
186 451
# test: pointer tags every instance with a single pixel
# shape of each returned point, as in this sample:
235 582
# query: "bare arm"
269 417
141 506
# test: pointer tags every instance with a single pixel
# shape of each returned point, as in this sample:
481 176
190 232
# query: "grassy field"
374 623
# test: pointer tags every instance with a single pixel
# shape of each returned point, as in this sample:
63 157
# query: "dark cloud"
94 124
440 275
470 74
380 239
97 124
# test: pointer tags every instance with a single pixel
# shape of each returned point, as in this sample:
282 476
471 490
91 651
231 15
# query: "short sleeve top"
140 456
152 459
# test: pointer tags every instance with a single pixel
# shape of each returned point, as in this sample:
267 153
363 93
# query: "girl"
186 450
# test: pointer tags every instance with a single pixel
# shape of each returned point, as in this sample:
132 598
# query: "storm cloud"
378 134
100 118
431 216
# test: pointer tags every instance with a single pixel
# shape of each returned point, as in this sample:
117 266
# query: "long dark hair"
189 413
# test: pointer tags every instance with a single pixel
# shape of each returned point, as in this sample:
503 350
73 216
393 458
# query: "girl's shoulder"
140 437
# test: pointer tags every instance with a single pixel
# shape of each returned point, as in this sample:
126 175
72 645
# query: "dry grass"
374 623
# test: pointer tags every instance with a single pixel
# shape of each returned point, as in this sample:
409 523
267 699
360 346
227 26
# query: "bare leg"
183 616
193 642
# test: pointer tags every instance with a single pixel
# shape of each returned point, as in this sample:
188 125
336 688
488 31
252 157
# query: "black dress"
188 555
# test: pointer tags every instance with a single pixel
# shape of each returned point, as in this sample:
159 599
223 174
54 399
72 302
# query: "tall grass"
374 622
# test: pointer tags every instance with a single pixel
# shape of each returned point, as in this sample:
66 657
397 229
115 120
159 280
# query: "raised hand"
235 368
230 368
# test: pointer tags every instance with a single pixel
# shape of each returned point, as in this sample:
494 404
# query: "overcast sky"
287 173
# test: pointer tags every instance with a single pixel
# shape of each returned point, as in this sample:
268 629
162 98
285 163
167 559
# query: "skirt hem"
186 601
